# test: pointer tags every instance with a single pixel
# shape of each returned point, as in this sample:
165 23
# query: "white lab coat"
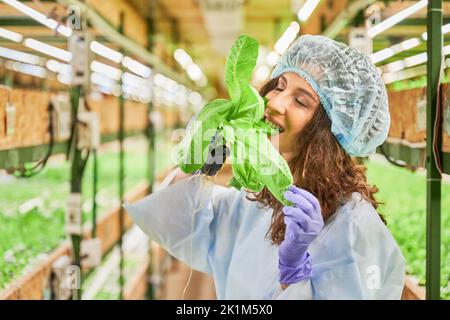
354 256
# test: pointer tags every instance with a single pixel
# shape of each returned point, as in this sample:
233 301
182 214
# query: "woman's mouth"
274 125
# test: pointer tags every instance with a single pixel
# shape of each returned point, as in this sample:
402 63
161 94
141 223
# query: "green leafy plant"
403 195
24 235
240 122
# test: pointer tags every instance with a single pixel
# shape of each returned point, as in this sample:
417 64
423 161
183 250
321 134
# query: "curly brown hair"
321 167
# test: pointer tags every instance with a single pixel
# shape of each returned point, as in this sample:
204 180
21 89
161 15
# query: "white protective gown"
354 256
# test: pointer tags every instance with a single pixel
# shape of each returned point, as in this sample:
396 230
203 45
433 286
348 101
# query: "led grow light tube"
48 49
26 68
39 17
308 8
136 67
106 70
395 19
287 38
19 56
106 52
445 30
10 35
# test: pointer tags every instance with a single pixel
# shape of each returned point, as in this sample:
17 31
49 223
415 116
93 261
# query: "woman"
330 104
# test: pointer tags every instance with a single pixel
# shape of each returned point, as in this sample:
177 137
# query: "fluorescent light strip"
65 31
39 17
403 46
32 70
382 55
396 66
142 95
163 84
58 67
446 50
106 52
10 35
19 56
272 58
305 12
159 80
445 30
390 52
183 58
422 57
195 98
48 49
132 80
389 78
64 78
402 15
107 90
136 67
36 15
406 45
394 72
26 68
405 63
404 74
194 72
287 38
416 60
106 70
102 80
202 82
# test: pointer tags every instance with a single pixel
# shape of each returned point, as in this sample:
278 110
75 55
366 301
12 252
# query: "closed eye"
300 103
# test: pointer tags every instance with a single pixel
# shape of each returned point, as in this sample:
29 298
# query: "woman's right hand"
217 153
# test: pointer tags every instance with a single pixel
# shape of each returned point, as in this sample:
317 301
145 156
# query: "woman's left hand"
304 222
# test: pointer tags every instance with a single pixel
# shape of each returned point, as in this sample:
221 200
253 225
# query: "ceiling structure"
184 24
205 29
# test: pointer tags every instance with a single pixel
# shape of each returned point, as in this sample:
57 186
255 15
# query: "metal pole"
121 173
94 193
433 242
150 132
76 179
150 126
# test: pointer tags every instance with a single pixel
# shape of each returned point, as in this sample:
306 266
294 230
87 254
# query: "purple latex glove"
304 222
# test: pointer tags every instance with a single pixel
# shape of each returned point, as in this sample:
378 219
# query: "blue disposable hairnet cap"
349 87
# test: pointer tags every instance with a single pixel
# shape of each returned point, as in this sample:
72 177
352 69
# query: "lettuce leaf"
255 162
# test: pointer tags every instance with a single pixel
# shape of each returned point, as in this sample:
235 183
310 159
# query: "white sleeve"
378 258
362 261
181 218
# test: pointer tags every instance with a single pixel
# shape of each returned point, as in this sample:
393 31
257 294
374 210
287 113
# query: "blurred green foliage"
404 196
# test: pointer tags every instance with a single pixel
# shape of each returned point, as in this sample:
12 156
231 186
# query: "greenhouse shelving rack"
113 34
431 143
32 284
19 155
11 157
414 157
137 287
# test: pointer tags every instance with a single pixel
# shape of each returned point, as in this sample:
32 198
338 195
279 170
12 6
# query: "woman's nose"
276 105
